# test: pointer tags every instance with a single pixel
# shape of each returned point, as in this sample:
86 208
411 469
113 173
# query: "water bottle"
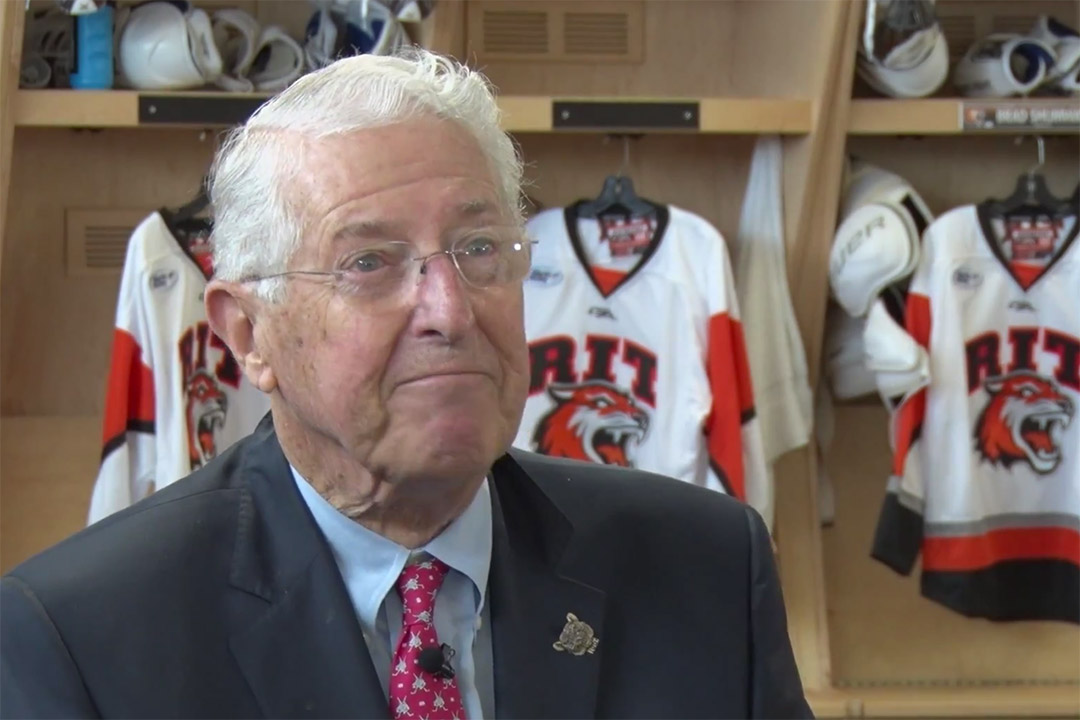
94 50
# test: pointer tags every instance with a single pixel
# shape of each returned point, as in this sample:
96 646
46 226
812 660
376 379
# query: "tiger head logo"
1023 421
593 421
205 414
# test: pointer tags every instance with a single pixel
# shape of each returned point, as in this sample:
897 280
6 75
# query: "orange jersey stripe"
980 551
909 417
732 399
130 394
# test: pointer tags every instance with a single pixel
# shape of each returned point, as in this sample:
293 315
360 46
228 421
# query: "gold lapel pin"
577 637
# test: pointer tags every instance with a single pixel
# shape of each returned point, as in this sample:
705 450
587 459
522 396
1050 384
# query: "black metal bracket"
197 110
614 115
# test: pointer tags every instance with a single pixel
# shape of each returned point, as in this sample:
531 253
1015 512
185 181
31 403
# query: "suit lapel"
302 650
530 603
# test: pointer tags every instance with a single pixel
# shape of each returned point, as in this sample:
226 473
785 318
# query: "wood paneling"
56 329
953 171
703 174
11 24
48 466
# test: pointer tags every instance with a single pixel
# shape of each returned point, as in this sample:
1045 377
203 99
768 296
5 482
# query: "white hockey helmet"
340 28
1003 65
1065 75
168 46
902 52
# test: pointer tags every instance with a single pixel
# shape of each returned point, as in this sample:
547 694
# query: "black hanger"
185 222
618 197
1032 197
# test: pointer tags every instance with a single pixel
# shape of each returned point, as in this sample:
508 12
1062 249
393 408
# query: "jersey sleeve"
732 430
128 454
899 532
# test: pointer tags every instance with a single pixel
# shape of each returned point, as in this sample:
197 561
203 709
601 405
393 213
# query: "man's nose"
444 304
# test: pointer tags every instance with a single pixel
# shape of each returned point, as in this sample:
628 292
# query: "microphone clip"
436 660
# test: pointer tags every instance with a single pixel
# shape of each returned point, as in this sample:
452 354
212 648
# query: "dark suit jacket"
218 597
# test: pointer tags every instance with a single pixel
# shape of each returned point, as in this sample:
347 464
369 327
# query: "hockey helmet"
168 46
1003 65
1065 75
340 28
902 52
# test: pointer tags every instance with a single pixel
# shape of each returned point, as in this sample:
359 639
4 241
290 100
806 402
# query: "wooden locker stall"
692 83
901 654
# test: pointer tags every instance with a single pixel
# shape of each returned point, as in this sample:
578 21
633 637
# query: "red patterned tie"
414 692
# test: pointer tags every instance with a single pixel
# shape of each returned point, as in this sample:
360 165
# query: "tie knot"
418 585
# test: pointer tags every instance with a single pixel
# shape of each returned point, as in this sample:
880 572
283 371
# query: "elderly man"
375 549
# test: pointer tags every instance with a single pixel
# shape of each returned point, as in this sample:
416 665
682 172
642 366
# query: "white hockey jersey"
636 351
986 472
175 395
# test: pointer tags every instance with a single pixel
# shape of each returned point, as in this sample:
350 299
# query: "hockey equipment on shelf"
80 7
48 49
236 35
279 60
164 47
1064 77
902 52
1003 65
340 28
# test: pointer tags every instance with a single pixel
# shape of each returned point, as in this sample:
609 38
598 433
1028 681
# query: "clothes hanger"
1032 197
617 196
185 222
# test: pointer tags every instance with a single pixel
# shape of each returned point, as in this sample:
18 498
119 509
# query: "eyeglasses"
381 271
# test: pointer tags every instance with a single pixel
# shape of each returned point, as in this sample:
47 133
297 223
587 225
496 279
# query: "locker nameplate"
983 116
198 110
614 115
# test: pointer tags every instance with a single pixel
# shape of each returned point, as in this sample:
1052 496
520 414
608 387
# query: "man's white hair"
258 224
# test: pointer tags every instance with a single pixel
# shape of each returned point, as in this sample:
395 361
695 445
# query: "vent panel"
596 34
96 240
534 31
510 31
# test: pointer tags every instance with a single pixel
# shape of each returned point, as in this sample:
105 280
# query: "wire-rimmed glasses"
380 271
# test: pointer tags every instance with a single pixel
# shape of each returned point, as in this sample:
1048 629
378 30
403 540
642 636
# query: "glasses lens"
376 270
487 260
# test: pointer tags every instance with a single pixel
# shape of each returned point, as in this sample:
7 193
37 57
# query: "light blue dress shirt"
370 565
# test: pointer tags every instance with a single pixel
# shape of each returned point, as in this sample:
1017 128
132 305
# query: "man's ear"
230 310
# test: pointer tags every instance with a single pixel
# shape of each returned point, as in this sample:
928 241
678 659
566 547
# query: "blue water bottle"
94 50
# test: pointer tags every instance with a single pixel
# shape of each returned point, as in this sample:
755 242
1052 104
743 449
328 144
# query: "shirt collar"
375 562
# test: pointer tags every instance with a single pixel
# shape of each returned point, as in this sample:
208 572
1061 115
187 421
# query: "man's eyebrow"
364 230
472 208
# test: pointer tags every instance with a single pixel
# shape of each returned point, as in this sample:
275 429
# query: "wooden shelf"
941 702
954 116
523 114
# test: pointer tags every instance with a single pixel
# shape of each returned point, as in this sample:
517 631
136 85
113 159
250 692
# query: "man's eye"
368 262
480 246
